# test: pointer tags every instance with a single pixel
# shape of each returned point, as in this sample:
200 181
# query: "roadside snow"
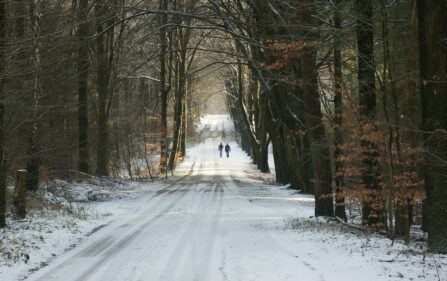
216 219
58 219
317 248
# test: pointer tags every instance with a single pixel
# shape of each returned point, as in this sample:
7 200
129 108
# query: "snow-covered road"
212 222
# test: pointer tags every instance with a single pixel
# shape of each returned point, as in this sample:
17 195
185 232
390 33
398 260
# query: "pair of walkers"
221 148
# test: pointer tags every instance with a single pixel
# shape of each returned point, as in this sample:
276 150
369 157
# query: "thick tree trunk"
2 114
405 57
338 111
163 90
402 220
256 134
411 101
182 42
33 162
372 212
287 168
324 205
261 135
306 165
303 155
83 65
279 156
178 112
433 63
103 74
18 207
102 155
177 133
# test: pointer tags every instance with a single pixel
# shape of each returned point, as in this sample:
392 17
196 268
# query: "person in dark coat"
227 150
220 148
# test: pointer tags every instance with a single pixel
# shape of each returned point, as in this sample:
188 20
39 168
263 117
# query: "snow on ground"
59 218
49 228
216 219
316 249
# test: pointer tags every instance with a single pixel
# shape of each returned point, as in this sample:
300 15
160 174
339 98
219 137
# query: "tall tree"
164 90
318 143
33 163
433 70
314 118
2 113
106 44
338 110
182 44
371 213
182 40
83 66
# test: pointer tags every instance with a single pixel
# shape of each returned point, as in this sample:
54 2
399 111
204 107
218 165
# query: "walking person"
227 150
220 148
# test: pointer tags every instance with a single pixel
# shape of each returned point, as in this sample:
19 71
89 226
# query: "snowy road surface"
212 222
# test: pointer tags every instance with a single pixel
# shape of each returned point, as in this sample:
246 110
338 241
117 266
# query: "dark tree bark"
324 205
405 98
338 111
182 39
256 137
279 155
18 206
33 162
2 113
103 88
82 68
184 116
261 134
163 89
105 51
433 70
179 96
372 216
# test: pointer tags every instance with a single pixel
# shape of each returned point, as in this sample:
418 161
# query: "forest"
350 95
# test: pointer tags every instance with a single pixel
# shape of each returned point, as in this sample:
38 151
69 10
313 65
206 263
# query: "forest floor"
216 219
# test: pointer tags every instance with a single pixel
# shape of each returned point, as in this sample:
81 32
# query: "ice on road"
212 222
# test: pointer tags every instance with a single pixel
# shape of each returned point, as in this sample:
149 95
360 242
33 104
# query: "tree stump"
18 208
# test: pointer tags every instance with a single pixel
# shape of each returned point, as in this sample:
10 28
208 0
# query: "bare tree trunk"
279 155
433 62
33 163
83 65
163 89
324 205
256 131
178 112
261 134
372 216
104 58
184 117
18 208
338 111
410 102
2 114
182 39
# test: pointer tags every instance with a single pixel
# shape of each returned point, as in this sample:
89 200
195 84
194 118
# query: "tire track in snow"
102 245
108 247
167 188
123 242
197 240
204 245
177 255
212 230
